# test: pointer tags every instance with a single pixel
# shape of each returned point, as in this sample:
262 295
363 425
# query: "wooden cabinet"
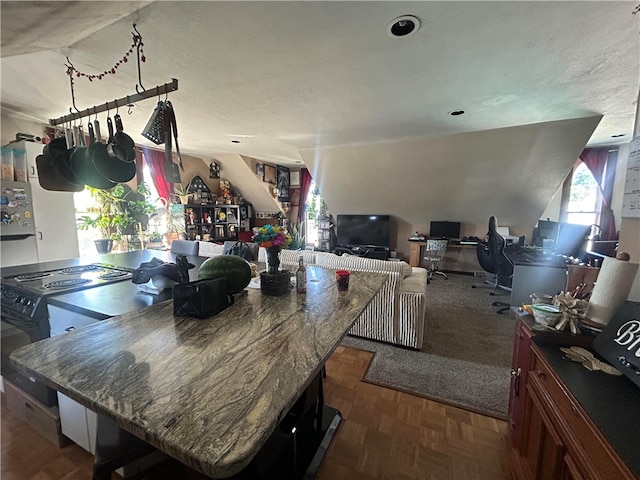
519 371
555 438
212 222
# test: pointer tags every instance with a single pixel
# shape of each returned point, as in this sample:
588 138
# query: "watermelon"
236 269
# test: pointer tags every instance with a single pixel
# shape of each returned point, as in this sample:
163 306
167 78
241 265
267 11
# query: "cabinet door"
542 450
519 369
55 220
73 420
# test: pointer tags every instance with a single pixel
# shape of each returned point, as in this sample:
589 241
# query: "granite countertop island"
207 392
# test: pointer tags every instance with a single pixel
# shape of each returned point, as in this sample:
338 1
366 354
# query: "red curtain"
155 160
596 161
305 184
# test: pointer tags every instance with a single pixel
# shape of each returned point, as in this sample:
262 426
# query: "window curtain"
596 161
155 160
305 184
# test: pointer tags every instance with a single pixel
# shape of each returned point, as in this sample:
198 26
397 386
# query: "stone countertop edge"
207 392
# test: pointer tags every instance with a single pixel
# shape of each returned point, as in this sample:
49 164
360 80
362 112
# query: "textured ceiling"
285 76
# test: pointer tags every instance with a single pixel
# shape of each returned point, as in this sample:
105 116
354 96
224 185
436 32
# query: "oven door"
16 333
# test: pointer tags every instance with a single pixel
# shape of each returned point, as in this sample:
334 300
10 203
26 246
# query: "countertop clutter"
207 392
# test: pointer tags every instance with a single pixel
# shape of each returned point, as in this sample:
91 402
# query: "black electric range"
68 279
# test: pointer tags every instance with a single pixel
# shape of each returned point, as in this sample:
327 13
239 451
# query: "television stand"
368 251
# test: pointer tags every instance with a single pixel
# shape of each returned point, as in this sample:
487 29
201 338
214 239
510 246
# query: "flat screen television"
444 230
363 230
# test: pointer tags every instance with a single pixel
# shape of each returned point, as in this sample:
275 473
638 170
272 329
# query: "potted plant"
115 214
297 236
182 193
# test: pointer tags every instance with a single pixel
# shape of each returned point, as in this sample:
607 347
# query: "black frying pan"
50 179
109 167
118 143
85 171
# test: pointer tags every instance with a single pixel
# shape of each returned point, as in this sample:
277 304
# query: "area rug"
466 356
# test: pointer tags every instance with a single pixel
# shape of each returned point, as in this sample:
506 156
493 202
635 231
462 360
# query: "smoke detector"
403 26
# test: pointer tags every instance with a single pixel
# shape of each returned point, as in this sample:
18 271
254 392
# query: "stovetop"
69 279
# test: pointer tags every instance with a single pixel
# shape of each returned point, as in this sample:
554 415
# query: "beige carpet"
466 357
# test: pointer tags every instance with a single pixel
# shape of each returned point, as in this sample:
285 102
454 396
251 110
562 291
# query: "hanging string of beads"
137 44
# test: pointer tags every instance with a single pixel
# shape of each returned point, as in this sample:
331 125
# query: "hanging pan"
61 155
120 145
110 168
50 179
82 166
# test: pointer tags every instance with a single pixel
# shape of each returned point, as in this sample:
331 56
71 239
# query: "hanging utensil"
171 171
154 130
174 127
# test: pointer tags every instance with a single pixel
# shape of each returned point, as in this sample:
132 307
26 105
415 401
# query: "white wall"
511 173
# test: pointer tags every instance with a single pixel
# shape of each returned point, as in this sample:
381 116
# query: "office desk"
459 258
207 392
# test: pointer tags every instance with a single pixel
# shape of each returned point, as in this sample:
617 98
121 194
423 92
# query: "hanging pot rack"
120 102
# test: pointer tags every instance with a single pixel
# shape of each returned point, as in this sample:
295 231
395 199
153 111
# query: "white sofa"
395 315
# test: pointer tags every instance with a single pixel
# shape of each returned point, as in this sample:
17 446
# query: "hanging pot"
85 171
120 145
112 170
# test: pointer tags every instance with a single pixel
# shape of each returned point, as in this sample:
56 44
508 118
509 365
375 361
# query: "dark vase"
273 259
104 245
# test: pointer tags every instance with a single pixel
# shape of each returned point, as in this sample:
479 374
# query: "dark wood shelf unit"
216 223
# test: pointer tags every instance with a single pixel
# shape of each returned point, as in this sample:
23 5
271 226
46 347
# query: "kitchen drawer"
44 420
586 444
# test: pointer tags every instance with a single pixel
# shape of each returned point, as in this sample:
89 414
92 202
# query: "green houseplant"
116 214
296 231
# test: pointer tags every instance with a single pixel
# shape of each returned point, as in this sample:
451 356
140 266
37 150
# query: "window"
584 197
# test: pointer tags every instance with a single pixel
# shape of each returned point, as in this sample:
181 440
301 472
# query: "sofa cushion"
416 282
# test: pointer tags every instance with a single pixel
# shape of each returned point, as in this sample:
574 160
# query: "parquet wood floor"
385 434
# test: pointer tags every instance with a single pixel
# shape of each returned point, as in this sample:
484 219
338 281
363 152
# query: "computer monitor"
572 239
546 229
444 230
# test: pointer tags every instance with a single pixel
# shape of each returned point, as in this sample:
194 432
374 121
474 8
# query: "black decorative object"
178 272
214 170
283 184
275 284
202 298
619 341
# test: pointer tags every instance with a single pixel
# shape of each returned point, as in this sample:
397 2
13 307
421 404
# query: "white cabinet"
78 423
54 214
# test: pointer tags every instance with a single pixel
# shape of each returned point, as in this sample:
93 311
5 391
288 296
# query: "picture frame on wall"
294 178
284 181
269 174
260 171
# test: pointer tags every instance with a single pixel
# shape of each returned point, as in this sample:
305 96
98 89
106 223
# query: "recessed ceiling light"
618 135
403 26
455 113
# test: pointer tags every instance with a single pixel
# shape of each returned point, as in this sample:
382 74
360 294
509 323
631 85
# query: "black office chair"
492 259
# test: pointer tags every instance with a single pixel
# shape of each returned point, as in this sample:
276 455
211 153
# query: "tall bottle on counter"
301 276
